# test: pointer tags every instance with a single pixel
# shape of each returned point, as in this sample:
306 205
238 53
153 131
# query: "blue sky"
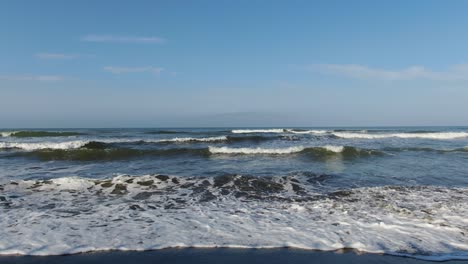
233 63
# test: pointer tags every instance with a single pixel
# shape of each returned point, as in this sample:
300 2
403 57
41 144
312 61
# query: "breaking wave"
39 134
248 131
426 149
434 135
7 133
289 150
299 131
188 139
43 145
73 215
94 151
29 146
320 151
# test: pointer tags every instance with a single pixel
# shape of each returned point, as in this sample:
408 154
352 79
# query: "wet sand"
220 255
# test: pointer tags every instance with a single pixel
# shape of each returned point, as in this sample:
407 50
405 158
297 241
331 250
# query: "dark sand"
218 256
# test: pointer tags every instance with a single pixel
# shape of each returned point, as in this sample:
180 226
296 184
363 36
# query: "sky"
255 63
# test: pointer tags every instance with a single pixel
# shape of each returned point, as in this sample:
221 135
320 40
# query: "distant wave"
103 143
188 139
247 131
426 149
254 138
43 145
95 154
39 134
323 151
7 133
60 216
434 135
296 131
82 143
94 151
166 132
227 150
278 130
359 134
208 139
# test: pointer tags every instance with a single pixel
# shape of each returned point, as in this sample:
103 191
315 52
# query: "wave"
167 132
361 134
227 150
104 143
249 131
426 149
98 151
112 149
72 215
99 154
7 133
234 139
319 151
208 139
39 134
29 146
188 139
435 135
300 131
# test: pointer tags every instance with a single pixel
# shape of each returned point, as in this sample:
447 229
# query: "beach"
393 190
213 256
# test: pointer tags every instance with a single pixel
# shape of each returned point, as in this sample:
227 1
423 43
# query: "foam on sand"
72 215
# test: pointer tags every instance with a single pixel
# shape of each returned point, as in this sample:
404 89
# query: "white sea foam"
43 145
30 146
336 149
246 131
319 132
7 133
288 150
432 135
72 215
190 139
227 150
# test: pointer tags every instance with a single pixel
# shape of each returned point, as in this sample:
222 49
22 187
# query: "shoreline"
221 255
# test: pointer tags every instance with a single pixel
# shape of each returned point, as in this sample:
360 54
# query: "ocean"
394 190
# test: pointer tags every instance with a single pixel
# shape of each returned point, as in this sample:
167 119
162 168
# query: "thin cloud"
122 39
41 78
123 70
56 56
454 73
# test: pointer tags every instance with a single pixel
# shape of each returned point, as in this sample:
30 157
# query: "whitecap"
227 150
435 135
246 131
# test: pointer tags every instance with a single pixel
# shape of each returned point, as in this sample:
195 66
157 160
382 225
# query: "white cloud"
456 72
56 56
122 39
42 78
121 70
